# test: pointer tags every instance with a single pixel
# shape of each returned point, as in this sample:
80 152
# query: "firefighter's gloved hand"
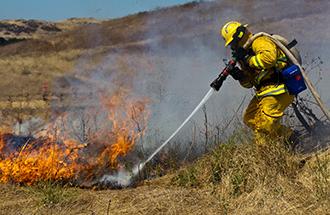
240 54
236 73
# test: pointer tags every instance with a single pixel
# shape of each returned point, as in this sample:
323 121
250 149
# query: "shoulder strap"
292 44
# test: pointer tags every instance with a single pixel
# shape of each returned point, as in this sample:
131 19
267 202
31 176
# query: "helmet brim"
228 42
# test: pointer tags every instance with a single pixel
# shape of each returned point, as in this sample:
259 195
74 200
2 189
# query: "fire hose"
217 83
288 53
201 103
215 86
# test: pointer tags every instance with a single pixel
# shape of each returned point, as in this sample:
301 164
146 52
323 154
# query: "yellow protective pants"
263 115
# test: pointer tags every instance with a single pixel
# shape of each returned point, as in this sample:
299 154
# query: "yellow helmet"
228 31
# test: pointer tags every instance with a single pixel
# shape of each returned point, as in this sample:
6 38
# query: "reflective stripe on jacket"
267 55
266 61
271 90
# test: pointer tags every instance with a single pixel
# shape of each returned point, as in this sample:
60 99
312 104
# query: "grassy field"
27 65
232 179
236 177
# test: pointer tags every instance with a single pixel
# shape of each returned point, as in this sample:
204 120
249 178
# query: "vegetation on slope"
247 178
237 177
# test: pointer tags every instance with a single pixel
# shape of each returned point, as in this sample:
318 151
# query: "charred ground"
37 57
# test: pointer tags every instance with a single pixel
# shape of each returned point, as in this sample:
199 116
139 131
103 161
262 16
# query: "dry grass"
248 179
21 75
233 179
147 199
48 57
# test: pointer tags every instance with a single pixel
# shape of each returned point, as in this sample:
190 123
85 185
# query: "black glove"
240 54
236 73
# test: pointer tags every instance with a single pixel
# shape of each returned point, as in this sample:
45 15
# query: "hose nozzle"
217 83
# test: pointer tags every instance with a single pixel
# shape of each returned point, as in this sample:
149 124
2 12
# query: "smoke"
28 127
122 178
191 49
185 54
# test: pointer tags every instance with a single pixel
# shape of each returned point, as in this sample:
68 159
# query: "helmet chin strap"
239 34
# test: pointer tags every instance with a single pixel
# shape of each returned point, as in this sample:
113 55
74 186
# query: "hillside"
196 21
49 53
37 29
233 179
98 96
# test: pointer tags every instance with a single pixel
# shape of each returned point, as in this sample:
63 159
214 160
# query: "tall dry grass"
249 179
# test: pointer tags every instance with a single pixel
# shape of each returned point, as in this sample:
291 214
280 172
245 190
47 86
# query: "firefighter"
259 67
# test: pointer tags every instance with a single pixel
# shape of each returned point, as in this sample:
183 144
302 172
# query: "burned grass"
236 178
232 179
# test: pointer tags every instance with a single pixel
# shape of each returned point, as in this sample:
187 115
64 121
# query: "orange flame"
126 127
57 157
2 143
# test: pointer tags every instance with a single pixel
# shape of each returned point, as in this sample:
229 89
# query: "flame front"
48 162
55 156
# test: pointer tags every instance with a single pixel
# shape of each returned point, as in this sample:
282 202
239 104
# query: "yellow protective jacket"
263 66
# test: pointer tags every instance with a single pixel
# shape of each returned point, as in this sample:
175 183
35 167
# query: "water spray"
123 178
215 86
202 102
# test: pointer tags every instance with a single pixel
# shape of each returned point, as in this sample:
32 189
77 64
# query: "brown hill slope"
175 26
34 29
189 21
164 36
233 180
